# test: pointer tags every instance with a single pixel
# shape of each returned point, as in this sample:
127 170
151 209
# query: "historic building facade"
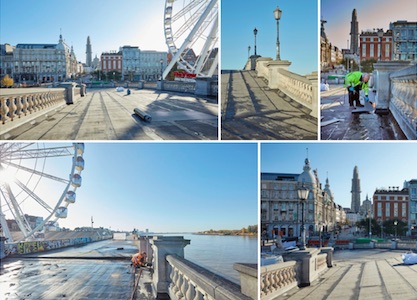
281 208
404 35
111 62
412 196
391 204
38 63
142 64
376 47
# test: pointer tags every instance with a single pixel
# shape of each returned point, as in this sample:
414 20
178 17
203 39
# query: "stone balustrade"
192 282
303 89
278 278
178 278
403 104
25 102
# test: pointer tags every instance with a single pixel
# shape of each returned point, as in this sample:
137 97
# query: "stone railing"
303 89
177 86
21 104
178 278
403 104
278 278
192 282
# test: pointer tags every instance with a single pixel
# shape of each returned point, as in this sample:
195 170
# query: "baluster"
30 103
174 280
190 294
274 281
263 285
41 101
4 110
198 295
18 105
12 107
179 284
35 102
184 286
280 278
25 104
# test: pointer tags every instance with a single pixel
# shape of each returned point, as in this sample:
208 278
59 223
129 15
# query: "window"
276 207
379 209
404 210
387 50
371 51
395 209
387 209
364 50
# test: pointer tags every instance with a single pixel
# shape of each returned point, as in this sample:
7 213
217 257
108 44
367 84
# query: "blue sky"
166 187
110 24
371 14
379 164
298 32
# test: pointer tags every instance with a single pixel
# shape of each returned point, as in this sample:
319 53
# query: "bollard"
142 115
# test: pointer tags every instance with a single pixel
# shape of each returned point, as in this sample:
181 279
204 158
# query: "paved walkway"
375 274
338 122
96 271
251 111
105 114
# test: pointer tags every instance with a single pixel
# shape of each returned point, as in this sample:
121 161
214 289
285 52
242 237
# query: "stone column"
262 67
274 66
162 246
69 91
314 79
253 59
382 81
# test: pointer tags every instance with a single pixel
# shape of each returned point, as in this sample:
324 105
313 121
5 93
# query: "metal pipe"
142 115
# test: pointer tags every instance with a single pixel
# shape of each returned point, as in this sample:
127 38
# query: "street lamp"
161 61
248 51
303 195
277 16
255 32
370 231
395 224
380 35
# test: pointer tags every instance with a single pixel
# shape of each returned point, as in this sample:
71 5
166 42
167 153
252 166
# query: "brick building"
111 62
391 204
376 45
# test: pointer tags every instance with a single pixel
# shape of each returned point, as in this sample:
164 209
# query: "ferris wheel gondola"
191 34
35 187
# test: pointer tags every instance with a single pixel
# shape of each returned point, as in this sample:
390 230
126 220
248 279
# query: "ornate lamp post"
395 224
248 51
255 32
380 35
277 16
303 195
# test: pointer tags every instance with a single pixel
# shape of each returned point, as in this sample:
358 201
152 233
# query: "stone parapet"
190 281
403 100
248 279
382 71
278 278
22 102
262 67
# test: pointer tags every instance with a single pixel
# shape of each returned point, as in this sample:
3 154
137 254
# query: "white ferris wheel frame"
211 10
11 201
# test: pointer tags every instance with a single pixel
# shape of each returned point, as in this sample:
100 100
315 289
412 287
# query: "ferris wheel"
37 184
191 34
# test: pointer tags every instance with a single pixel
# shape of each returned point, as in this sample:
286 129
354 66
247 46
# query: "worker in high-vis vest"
139 259
356 81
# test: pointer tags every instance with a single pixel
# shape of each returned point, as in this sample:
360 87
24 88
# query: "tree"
7 81
368 65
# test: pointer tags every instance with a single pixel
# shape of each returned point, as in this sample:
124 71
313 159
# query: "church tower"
354 34
356 191
88 53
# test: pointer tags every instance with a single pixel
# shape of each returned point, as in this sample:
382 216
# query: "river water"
218 253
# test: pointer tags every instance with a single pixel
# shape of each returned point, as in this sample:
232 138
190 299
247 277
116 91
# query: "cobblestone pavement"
251 111
104 114
375 274
348 126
